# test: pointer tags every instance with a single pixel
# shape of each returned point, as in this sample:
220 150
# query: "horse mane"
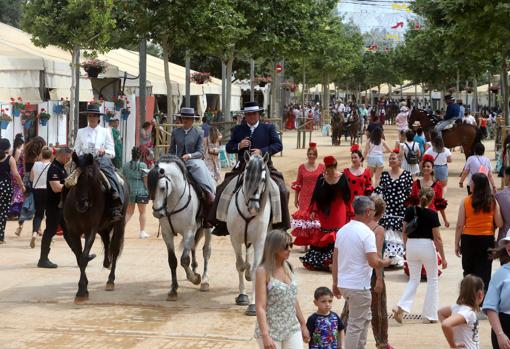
153 176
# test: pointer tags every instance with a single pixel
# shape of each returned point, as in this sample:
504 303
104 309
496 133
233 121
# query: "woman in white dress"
410 154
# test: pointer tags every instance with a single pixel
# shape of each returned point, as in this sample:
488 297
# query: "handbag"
213 151
412 226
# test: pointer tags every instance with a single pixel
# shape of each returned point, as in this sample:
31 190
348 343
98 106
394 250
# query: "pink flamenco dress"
331 204
438 203
302 224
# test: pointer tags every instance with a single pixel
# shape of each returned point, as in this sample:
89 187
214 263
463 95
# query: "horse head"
163 180
255 181
87 183
420 115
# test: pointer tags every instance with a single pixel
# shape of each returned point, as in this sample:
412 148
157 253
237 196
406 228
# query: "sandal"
18 230
398 314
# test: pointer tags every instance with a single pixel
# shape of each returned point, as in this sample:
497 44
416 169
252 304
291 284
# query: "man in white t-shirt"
353 259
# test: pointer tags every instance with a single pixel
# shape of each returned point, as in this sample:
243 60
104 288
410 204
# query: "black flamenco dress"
331 205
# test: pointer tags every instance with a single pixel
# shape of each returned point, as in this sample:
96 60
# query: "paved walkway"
37 309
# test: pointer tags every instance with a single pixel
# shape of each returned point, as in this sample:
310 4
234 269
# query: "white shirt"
467 333
90 140
353 241
253 127
440 158
469 119
40 174
341 108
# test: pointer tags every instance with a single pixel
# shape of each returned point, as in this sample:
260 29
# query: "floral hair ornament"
396 151
312 145
428 158
329 160
354 147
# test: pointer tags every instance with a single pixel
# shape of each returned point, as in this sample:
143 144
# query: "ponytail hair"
426 196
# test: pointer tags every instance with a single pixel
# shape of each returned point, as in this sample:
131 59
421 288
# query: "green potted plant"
5 118
94 67
18 106
27 118
108 114
119 102
44 116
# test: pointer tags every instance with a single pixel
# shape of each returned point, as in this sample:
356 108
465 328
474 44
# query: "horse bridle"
168 213
247 220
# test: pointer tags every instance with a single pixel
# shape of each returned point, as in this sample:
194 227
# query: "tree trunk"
252 80
458 84
142 68
223 87
325 96
504 81
187 76
475 95
228 92
74 110
169 97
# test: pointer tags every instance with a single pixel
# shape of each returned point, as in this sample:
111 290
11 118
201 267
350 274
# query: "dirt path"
37 309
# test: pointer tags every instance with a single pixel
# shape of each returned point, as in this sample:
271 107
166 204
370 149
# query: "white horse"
177 206
249 213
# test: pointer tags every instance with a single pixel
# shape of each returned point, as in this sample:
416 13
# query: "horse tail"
478 137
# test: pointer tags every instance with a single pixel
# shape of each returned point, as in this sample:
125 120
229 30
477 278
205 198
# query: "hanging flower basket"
5 118
58 109
27 118
262 81
18 106
124 113
109 114
200 77
495 89
4 124
44 117
94 67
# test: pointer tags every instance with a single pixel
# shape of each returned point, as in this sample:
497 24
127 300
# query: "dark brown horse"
86 212
337 125
463 135
355 127
391 112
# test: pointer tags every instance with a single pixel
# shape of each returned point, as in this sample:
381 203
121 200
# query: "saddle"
453 125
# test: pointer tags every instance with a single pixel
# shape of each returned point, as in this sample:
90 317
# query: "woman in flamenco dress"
303 186
330 204
359 178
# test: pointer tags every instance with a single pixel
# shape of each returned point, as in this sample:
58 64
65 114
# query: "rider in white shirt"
98 141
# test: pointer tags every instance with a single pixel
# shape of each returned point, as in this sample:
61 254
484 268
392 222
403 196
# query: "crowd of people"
353 222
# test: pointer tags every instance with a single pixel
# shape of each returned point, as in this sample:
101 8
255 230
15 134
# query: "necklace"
356 171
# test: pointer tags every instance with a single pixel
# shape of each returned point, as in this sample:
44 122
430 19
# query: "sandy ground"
37 309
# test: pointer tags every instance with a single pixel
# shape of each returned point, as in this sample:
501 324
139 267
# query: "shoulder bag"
412 226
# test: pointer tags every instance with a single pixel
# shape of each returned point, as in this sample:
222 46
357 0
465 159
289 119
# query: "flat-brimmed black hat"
92 109
187 113
251 107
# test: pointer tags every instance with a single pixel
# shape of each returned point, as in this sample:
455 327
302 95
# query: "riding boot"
220 229
44 262
117 215
207 204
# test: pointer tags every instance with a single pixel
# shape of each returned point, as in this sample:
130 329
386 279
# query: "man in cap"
451 115
98 141
254 137
188 144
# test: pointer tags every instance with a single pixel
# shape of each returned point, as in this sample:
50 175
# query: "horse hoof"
247 275
110 286
171 297
204 287
196 279
251 310
242 299
78 300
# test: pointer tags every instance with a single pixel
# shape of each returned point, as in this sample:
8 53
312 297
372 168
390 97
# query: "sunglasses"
289 246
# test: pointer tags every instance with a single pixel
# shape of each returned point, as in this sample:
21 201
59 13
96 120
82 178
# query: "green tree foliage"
11 12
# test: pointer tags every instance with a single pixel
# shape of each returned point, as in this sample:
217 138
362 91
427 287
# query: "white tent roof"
21 63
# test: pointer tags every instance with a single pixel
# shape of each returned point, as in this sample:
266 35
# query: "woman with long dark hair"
374 153
135 172
31 154
442 156
478 217
8 168
17 195
330 204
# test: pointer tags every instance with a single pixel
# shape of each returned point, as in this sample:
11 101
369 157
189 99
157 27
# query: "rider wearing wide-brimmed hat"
188 144
451 115
98 141
254 137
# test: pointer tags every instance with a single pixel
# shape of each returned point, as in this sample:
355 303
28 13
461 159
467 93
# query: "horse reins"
169 214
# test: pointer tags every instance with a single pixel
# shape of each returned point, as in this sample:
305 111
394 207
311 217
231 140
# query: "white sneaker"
144 235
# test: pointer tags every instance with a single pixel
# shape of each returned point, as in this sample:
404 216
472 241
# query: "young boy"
326 329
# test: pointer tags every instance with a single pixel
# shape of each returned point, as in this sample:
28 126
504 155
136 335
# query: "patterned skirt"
319 257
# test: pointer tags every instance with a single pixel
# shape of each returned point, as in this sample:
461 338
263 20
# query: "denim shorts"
375 161
441 172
